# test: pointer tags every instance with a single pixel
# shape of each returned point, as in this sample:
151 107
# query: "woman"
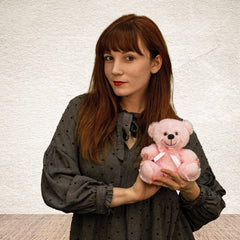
91 166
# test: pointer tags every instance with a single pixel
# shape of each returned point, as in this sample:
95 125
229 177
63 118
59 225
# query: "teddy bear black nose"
170 136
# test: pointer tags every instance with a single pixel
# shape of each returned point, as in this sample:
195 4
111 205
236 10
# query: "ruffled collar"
126 123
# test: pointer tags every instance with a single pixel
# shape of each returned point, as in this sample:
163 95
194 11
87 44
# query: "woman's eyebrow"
123 52
130 51
107 52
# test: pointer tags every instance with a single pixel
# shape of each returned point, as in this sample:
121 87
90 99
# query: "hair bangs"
124 38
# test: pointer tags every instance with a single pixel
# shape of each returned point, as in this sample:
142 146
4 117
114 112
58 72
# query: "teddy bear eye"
176 133
165 134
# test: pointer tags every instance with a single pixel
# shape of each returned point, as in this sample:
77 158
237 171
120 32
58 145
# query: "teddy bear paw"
148 170
190 172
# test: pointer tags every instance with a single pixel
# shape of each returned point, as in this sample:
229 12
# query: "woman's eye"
108 58
130 58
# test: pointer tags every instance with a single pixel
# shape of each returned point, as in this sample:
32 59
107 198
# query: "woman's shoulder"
78 100
86 98
73 107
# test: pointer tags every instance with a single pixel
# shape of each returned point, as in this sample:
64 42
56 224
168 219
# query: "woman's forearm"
121 196
191 192
138 192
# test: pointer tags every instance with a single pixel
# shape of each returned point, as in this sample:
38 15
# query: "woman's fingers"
145 157
172 180
166 182
143 190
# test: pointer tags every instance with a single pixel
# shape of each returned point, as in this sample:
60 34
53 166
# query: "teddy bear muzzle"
170 136
169 141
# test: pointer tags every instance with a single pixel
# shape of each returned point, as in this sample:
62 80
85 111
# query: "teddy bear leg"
189 171
149 169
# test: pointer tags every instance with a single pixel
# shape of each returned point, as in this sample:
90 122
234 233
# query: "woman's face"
129 72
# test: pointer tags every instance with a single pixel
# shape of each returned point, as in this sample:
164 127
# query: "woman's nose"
117 68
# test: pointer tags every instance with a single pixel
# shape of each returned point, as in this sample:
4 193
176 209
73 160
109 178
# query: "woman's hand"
141 190
138 192
189 190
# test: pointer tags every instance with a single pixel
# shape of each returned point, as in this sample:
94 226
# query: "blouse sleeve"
63 186
209 204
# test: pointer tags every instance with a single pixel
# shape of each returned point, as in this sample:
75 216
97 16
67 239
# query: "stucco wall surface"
46 58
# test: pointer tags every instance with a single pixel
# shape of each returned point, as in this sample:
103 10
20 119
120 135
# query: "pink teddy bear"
170 136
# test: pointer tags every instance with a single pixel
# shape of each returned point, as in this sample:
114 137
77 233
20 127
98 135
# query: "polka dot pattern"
72 184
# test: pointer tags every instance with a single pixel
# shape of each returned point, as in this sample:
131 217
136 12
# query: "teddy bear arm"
189 169
148 170
188 156
151 151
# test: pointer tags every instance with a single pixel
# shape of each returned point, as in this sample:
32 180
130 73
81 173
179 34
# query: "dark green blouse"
74 185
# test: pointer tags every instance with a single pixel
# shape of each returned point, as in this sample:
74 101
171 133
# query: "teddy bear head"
170 133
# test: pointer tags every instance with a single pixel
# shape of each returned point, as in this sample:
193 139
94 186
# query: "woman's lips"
118 83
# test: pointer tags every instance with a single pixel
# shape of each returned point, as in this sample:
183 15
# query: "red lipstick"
117 83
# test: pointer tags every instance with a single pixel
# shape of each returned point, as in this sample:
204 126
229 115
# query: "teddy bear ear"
188 126
151 129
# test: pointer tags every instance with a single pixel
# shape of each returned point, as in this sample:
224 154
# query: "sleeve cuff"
197 202
103 199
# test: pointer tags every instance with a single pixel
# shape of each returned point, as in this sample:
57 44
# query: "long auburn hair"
98 113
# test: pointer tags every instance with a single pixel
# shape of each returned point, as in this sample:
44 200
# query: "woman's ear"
156 64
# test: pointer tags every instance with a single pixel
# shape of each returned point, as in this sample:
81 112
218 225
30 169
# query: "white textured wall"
46 58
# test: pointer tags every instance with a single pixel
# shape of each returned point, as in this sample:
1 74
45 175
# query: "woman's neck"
132 105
